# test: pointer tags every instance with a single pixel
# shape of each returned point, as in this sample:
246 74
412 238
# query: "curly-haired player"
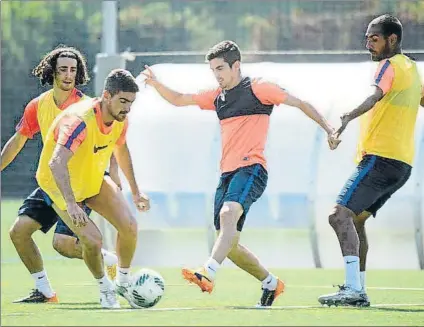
63 68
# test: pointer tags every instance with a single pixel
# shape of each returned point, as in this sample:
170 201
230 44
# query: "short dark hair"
227 50
389 25
46 69
120 80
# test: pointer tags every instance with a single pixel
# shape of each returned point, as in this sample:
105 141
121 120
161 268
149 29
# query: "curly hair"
46 69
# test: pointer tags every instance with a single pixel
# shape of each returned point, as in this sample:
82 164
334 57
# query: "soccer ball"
147 288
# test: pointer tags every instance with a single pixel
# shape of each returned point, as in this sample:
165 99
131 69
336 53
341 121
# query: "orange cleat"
198 277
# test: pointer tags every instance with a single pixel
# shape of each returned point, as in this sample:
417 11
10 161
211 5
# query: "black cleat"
35 296
269 296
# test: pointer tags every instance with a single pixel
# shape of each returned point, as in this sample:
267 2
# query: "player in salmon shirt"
63 68
243 106
385 152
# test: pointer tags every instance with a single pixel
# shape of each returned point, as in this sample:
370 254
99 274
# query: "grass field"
397 296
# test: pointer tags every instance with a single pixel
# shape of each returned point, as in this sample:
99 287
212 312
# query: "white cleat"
109 299
123 290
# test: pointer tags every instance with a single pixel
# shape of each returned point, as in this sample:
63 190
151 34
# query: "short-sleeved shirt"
40 113
244 113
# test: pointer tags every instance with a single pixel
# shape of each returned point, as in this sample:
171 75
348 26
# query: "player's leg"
272 286
371 180
34 214
66 243
90 238
359 222
111 204
401 174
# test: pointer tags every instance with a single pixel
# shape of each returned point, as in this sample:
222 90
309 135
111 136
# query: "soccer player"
243 106
385 152
63 68
76 151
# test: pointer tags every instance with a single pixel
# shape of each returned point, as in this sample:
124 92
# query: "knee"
129 230
91 240
335 217
229 216
62 244
20 231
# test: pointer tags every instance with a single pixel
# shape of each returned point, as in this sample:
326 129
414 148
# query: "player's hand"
77 214
150 77
333 140
345 119
141 201
114 174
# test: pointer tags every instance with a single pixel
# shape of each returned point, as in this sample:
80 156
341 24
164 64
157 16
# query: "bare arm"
59 167
364 107
309 111
123 157
12 148
173 97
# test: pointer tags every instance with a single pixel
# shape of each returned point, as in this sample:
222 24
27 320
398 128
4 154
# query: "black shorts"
244 185
373 182
38 206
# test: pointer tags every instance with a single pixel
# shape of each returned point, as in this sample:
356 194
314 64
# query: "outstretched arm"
270 93
383 80
26 129
12 148
309 111
173 97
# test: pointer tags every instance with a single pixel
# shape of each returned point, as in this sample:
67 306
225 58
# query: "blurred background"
314 48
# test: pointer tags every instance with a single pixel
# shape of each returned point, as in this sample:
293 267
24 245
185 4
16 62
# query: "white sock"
104 283
362 277
109 258
42 283
123 275
270 283
212 267
352 272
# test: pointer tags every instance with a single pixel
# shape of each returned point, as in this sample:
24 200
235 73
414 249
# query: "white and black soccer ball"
147 288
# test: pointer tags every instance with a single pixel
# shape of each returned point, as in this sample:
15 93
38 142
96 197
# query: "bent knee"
63 243
230 213
91 239
339 214
22 228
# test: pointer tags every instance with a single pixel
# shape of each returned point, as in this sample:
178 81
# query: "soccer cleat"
198 277
269 296
346 296
35 296
109 300
364 302
124 291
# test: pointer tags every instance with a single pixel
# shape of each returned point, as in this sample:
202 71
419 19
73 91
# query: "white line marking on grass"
381 305
288 307
287 285
16 314
368 287
159 309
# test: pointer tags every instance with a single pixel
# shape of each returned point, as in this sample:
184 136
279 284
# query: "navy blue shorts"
38 206
244 185
373 182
